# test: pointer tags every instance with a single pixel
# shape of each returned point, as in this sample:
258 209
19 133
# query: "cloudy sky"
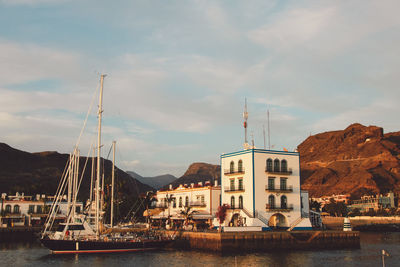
179 71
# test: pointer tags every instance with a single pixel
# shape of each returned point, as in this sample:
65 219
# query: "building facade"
262 188
202 199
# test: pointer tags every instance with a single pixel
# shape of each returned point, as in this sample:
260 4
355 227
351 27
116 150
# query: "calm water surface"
32 254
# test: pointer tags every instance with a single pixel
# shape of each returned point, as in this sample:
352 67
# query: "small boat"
85 233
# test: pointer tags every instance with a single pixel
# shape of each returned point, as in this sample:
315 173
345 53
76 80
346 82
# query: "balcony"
234 171
229 189
197 204
287 189
279 172
273 208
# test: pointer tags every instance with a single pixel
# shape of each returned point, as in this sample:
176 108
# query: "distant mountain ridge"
199 172
156 182
34 173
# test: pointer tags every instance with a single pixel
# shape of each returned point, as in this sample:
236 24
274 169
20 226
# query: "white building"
203 199
262 188
21 210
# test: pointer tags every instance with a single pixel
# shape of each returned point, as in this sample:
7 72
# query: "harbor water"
33 254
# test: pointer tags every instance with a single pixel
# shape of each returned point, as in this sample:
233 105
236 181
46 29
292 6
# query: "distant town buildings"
375 203
22 210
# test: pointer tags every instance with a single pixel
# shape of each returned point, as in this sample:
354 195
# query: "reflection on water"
32 254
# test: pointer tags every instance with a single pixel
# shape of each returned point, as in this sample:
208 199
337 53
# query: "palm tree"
188 214
169 199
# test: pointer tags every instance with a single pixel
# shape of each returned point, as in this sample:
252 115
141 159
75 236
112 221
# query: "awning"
202 216
152 212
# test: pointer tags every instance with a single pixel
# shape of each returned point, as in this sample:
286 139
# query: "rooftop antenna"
252 140
245 117
264 134
269 133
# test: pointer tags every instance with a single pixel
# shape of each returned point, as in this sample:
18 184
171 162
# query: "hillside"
156 182
358 160
34 173
199 172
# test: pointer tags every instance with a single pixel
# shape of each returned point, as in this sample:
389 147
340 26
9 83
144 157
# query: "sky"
178 73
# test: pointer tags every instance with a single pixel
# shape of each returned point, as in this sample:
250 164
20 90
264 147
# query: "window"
16 209
269 165
283 183
186 201
180 202
8 208
202 199
39 209
271 202
240 166
276 165
31 209
232 202
232 187
174 202
271 183
283 202
240 184
232 167
77 209
240 202
284 165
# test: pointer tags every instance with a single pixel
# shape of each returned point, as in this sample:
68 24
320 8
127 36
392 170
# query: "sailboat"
84 233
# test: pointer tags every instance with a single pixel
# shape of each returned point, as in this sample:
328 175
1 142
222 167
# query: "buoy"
346 225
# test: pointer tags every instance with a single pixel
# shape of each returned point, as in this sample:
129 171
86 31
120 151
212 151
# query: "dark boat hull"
92 246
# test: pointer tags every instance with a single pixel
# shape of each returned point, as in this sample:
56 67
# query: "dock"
18 233
266 241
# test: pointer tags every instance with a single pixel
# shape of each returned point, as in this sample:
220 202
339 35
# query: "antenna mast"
269 136
245 116
264 134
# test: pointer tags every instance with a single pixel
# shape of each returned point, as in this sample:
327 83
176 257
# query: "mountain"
156 182
199 172
357 160
40 173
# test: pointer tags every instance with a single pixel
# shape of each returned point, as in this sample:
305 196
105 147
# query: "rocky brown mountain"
358 160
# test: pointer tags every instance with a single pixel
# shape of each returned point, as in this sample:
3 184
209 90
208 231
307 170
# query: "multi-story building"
262 188
203 199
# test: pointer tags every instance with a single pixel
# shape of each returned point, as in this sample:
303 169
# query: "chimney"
215 182
170 187
192 185
200 183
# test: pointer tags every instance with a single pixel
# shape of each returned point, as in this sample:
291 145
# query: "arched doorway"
235 220
278 221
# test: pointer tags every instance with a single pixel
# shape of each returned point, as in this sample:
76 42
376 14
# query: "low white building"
262 188
21 210
203 199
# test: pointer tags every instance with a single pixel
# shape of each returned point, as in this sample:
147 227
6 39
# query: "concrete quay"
18 233
266 241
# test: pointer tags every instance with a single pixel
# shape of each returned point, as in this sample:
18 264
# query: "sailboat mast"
98 154
112 185
91 179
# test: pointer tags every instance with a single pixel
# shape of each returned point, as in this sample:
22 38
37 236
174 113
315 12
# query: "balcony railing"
162 205
269 207
234 189
279 172
287 189
234 171
197 204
